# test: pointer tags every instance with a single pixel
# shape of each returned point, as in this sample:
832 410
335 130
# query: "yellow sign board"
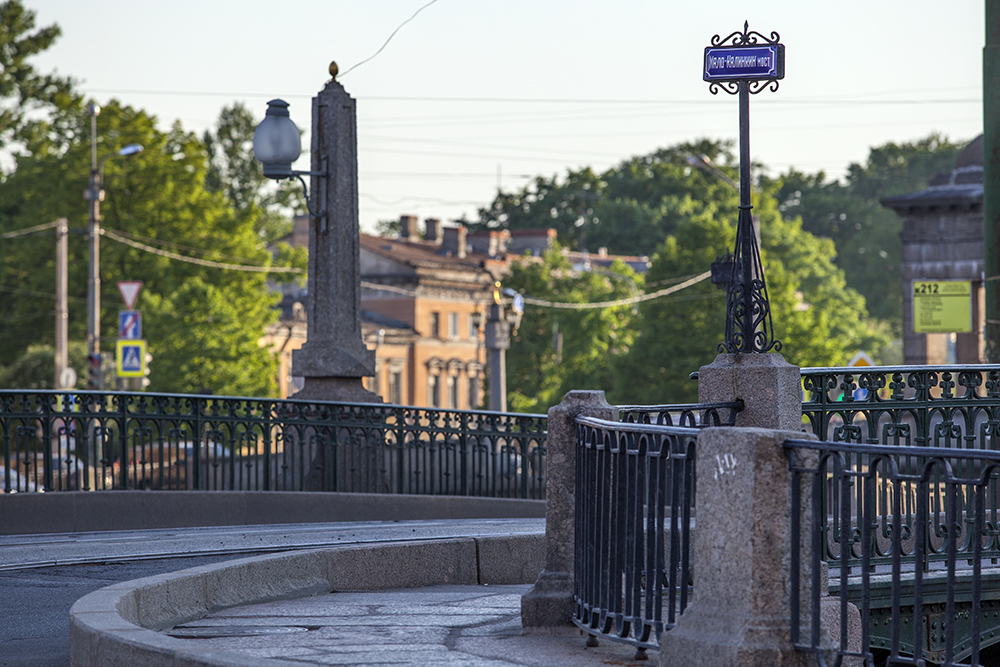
942 306
130 358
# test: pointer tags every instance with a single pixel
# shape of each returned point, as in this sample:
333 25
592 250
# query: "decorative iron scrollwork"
746 38
731 87
748 311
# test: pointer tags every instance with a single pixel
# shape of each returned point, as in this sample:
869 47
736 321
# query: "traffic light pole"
94 277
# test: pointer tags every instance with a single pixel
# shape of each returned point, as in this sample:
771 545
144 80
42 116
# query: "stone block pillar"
769 387
740 614
550 601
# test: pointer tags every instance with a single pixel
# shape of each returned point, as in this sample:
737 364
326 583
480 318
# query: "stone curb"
117 625
87 511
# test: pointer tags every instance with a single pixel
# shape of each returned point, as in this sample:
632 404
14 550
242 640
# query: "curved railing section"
930 535
634 502
60 441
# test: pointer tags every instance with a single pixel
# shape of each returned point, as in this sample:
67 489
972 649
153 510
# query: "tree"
233 171
629 209
866 234
158 200
36 367
820 321
23 91
556 350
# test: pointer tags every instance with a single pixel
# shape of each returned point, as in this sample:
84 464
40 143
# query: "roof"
960 189
423 253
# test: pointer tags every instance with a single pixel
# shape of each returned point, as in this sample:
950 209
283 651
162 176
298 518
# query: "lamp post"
334 358
95 195
497 343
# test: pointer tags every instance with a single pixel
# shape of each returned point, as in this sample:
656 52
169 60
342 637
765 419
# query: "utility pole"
991 180
94 195
62 311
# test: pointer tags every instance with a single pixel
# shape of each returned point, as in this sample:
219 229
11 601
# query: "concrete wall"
78 511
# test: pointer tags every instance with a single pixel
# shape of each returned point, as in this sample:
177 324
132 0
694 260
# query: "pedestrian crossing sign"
130 358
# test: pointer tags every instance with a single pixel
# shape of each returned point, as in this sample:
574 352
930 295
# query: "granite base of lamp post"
346 371
549 603
769 387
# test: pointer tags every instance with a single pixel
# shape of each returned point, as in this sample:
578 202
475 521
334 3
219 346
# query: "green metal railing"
59 441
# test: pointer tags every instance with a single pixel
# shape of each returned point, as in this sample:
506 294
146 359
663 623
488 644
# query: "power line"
570 306
201 262
398 28
538 100
146 239
31 292
618 302
29 230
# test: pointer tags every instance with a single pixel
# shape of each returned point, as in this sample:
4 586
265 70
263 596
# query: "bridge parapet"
911 558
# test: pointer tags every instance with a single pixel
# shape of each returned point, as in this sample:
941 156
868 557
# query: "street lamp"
95 195
277 143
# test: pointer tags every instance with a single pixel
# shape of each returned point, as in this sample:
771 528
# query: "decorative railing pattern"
943 406
910 408
934 528
690 415
634 499
57 441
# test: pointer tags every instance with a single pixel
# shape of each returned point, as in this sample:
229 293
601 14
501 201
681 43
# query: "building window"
452 325
434 390
473 331
435 325
396 386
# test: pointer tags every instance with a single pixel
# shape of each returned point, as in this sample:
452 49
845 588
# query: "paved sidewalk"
435 626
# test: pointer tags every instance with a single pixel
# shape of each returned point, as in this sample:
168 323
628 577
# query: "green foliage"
23 91
865 233
157 197
538 374
233 171
387 227
664 205
202 343
629 209
819 320
36 367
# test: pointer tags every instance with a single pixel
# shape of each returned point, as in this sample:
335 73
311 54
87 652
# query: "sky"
472 95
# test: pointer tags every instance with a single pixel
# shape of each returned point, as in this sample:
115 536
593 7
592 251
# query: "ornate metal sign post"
745 63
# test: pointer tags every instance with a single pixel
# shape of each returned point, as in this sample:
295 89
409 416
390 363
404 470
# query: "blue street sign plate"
129 324
130 358
726 63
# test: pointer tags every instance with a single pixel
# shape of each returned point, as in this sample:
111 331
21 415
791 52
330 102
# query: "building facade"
422 302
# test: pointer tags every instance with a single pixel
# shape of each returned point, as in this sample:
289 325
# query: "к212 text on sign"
942 306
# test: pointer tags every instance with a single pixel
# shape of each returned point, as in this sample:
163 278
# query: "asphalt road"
34 604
